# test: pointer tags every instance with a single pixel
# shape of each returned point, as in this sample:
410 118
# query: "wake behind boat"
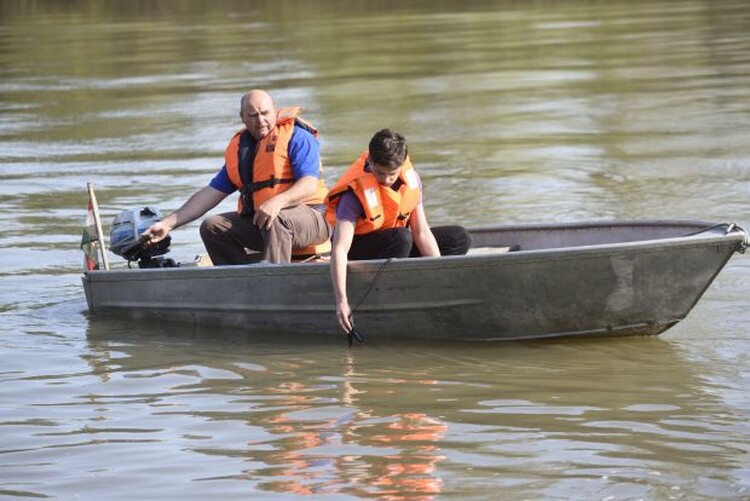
517 282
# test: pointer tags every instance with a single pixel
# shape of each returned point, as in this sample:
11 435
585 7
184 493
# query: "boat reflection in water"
624 417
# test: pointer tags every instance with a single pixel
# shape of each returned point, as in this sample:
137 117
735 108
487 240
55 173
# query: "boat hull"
566 280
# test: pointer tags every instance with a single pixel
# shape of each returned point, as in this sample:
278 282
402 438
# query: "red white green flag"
90 241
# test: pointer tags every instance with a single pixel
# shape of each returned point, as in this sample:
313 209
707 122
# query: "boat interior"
510 238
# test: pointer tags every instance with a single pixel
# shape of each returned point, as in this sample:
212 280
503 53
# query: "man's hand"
157 231
267 212
301 190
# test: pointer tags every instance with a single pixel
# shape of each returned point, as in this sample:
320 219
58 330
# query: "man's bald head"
258 113
256 97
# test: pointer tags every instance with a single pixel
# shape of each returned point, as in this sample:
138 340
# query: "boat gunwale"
593 224
464 261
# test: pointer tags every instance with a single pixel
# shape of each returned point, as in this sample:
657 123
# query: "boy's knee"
462 240
452 240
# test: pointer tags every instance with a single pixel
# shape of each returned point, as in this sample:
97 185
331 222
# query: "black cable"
372 283
354 333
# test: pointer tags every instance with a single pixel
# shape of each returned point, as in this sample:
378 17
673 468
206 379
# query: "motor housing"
125 236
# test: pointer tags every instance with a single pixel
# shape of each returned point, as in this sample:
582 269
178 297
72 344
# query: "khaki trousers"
231 239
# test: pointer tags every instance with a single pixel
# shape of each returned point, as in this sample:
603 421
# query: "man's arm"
423 237
197 205
342 242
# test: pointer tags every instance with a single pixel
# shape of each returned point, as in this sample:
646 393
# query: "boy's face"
385 175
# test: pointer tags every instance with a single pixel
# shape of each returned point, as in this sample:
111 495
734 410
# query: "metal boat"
526 281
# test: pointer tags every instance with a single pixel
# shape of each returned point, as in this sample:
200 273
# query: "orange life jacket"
270 171
383 206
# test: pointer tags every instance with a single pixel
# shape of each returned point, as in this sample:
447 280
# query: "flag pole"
99 232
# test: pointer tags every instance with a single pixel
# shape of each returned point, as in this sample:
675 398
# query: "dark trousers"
398 242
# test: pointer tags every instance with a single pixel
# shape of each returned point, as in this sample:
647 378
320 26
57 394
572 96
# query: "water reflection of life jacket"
384 206
266 170
294 468
413 470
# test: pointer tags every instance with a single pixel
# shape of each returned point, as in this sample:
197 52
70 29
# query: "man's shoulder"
303 143
301 134
304 153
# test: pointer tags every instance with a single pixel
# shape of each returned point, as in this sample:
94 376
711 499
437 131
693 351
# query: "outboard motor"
125 238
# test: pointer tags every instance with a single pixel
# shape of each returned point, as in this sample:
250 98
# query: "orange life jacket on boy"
383 206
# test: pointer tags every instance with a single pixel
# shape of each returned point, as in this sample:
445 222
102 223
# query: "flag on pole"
90 241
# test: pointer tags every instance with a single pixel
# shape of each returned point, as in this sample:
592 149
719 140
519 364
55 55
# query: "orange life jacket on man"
384 207
267 171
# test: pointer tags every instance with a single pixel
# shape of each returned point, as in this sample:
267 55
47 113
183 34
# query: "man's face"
259 116
385 175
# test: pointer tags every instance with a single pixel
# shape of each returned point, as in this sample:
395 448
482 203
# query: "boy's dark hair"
388 149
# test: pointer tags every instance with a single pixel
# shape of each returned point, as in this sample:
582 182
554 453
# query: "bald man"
274 162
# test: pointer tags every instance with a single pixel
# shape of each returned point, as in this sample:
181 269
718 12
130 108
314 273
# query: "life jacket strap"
269 183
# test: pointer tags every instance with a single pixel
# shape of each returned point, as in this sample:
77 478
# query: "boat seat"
200 260
316 258
314 253
480 251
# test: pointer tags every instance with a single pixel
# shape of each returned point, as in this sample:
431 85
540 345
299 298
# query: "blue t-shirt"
304 155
